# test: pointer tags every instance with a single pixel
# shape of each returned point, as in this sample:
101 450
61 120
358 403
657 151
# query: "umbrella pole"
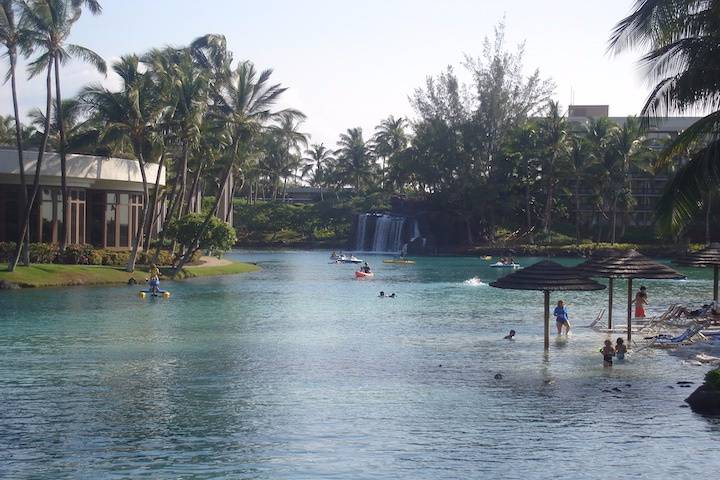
547 319
715 283
610 301
629 311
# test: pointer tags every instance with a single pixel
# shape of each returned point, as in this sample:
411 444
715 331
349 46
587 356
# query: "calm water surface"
299 371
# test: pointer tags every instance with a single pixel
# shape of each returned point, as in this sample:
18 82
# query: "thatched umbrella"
547 276
630 265
707 257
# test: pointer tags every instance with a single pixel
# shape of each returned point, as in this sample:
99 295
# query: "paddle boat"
505 265
154 290
350 259
400 261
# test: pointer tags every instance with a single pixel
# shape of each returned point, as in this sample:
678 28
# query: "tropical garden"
489 155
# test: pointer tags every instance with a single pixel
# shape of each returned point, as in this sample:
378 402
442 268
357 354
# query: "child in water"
607 352
620 349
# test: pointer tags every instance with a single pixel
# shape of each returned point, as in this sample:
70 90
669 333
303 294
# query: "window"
122 216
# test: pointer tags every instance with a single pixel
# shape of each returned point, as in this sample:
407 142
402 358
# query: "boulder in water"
705 400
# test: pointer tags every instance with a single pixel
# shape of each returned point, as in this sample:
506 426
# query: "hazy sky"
351 64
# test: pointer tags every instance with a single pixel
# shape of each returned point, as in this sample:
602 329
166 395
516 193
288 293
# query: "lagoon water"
299 371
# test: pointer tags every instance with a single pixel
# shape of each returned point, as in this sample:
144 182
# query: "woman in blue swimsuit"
561 318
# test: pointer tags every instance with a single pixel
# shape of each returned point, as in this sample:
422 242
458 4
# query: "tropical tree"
682 39
553 140
580 164
317 161
130 115
242 109
390 138
354 158
50 23
14 38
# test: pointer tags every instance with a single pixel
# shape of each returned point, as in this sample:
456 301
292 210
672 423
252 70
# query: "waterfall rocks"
387 233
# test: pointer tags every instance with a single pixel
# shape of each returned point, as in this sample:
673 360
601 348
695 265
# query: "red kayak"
360 274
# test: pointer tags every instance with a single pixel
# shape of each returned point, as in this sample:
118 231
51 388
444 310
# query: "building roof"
85 171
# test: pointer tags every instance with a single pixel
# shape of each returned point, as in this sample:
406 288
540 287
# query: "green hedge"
83 255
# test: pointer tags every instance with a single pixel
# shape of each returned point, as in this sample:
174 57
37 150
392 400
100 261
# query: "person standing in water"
562 319
607 352
640 302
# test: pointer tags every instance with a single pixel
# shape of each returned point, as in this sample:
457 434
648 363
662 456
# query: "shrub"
77 255
219 236
712 379
44 252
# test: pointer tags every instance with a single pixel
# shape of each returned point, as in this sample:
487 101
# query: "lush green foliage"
712 379
218 237
81 255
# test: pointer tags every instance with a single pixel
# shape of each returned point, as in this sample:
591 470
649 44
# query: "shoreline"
57 275
567 251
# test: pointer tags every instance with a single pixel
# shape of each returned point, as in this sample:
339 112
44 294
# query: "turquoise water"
299 371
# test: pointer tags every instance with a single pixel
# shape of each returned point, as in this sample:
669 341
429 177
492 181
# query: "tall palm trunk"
150 219
194 245
38 165
548 207
63 160
183 179
168 218
577 210
137 239
19 142
195 185
707 218
614 219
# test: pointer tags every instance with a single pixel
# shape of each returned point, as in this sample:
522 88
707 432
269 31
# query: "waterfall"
384 233
360 235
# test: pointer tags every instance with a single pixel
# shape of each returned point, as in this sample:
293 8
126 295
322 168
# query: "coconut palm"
291 141
242 109
46 62
130 115
354 158
12 39
389 139
50 23
317 160
581 161
553 139
682 38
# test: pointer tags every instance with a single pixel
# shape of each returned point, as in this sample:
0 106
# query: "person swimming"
382 294
510 336
392 295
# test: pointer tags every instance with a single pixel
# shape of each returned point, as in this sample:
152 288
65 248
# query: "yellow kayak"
400 261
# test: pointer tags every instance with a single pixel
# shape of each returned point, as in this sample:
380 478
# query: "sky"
352 63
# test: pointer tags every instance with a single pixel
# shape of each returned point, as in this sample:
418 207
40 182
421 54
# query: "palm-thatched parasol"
628 264
547 276
707 257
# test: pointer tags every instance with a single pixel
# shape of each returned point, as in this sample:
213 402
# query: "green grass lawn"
52 275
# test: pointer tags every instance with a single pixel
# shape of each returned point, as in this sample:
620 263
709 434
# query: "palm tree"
131 115
682 38
291 141
581 161
50 23
553 136
317 160
629 146
389 139
241 110
13 38
33 16
354 158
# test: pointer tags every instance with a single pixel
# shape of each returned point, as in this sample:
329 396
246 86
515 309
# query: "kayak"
505 265
400 261
360 274
487 257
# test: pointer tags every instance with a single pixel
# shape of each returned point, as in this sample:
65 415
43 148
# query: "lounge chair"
690 335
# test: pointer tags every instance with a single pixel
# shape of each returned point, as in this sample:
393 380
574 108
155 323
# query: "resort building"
105 198
646 187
